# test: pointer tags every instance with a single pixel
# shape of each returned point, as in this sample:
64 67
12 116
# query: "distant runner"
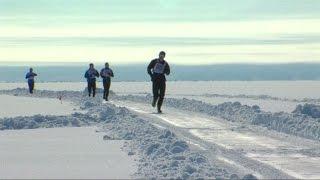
157 70
106 74
91 75
30 76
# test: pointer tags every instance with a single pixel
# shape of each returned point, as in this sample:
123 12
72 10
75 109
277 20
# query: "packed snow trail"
264 153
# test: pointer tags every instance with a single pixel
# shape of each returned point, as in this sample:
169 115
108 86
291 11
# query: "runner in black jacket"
106 74
157 70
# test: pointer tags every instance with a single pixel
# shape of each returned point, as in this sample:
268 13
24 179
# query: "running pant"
159 89
92 88
106 87
31 86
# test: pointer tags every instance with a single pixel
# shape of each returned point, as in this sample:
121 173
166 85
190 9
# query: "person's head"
91 66
162 55
106 65
31 70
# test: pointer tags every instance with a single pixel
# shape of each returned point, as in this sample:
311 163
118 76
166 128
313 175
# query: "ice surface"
62 153
280 89
12 106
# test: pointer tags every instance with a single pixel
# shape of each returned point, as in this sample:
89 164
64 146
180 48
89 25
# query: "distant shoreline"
138 72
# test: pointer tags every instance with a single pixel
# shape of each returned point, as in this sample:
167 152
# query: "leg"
108 84
104 89
162 94
32 87
94 88
155 90
89 88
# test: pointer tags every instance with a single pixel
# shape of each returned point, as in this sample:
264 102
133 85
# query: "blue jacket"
91 75
30 76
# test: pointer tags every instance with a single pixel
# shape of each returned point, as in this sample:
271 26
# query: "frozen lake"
283 89
12 106
199 89
56 153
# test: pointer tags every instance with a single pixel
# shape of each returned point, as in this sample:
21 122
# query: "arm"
86 75
150 67
34 74
167 69
97 73
112 75
101 73
27 75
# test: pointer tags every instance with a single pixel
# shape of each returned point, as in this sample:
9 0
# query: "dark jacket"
106 73
158 69
91 75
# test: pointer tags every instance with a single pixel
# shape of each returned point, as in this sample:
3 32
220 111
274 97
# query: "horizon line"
69 63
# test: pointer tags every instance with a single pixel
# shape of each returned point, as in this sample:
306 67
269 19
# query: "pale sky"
134 31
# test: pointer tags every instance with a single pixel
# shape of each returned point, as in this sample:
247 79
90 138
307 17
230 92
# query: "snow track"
264 153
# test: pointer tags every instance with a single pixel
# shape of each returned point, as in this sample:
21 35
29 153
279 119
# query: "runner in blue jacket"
91 75
30 76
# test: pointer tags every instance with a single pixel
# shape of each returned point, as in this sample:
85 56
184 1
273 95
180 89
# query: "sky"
132 32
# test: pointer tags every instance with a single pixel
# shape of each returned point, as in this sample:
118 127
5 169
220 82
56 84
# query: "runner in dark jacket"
157 70
91 75
106 74
30 76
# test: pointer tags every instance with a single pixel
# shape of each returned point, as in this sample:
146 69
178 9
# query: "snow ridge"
291 123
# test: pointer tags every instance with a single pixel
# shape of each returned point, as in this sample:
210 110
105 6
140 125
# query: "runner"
30 76
106 74
157 70
91 75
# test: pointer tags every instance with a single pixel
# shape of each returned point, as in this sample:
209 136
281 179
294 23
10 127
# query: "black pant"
92 88
159 89
106 87
31 86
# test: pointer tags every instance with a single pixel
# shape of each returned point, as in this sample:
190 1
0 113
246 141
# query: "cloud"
156 41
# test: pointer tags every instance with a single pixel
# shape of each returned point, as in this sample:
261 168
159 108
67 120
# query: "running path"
264 153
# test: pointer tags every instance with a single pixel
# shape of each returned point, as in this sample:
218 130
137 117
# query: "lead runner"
157 70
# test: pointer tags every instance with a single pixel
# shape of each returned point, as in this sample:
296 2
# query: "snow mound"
40 121
308 109
298 124
162 154
99 91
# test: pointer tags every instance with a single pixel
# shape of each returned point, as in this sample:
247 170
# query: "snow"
275 151
264 104
200 134
62 153
12 106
